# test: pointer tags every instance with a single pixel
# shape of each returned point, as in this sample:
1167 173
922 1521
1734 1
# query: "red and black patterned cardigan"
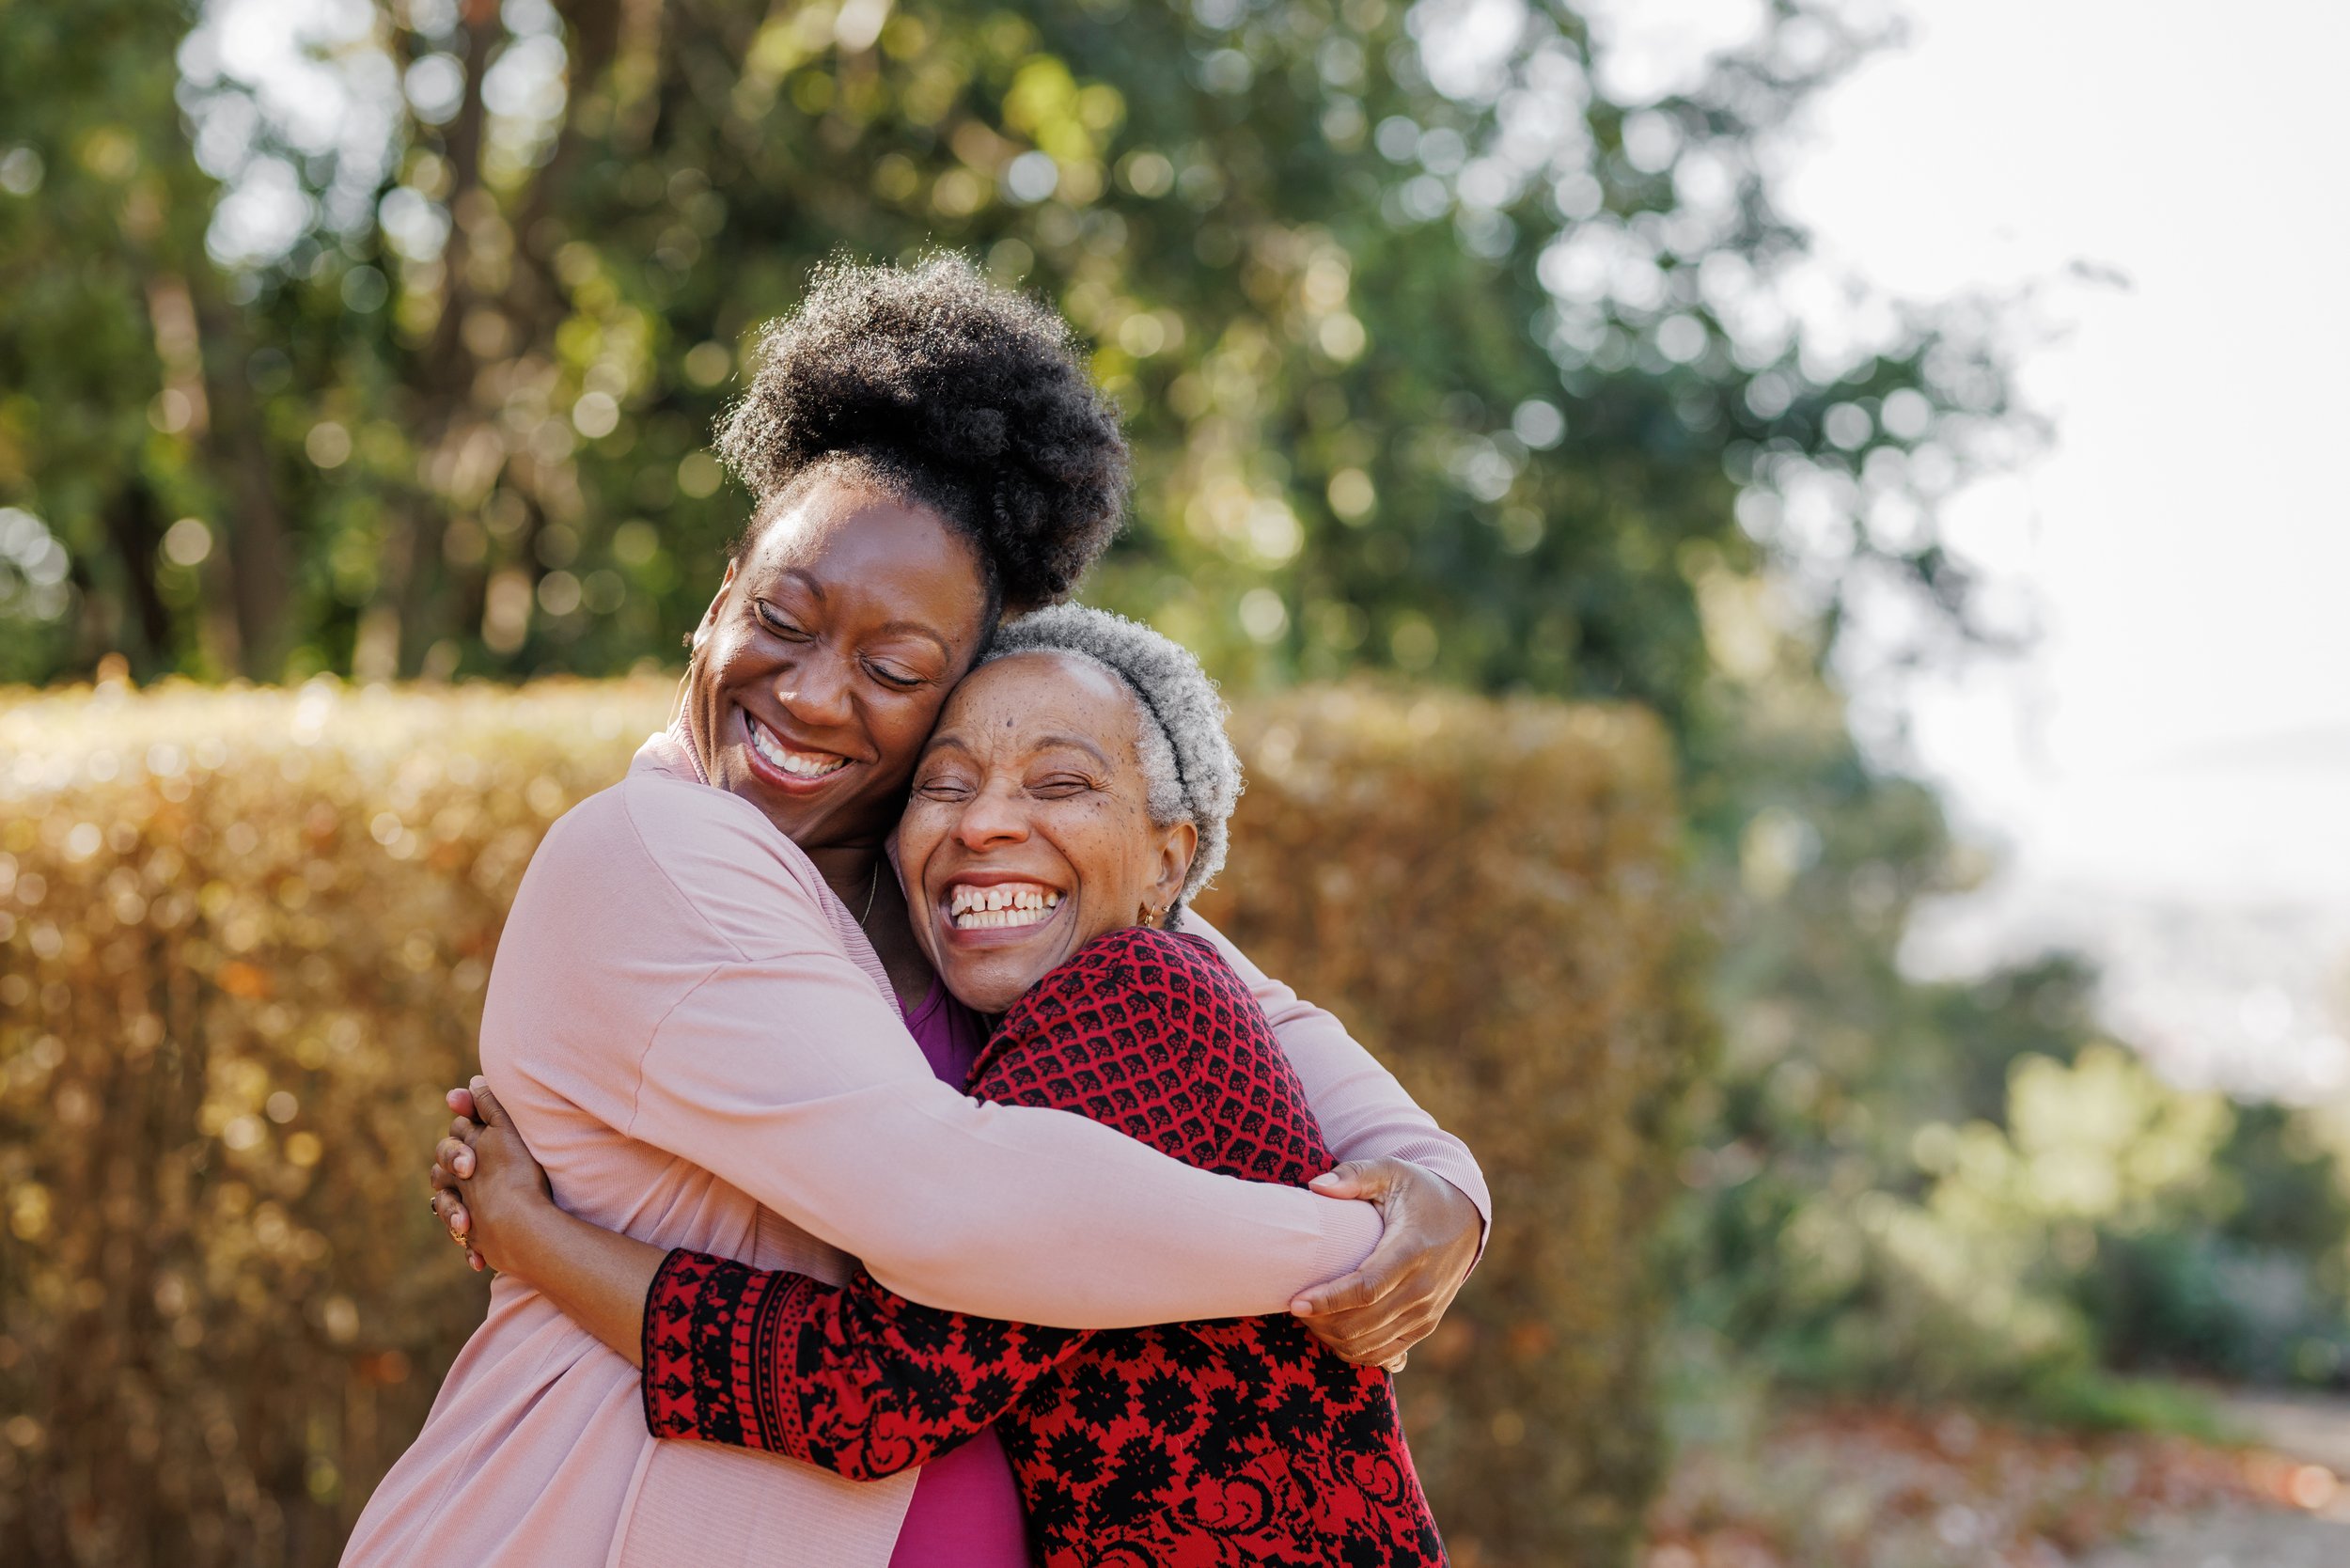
1241 1441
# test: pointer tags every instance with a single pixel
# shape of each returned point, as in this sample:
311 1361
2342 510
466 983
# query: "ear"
1177 845
717 603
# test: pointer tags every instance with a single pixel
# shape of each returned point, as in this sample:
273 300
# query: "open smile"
999 905
789 767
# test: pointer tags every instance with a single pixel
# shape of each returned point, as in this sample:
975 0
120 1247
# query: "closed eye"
944 788
897 680
1061 786
773 622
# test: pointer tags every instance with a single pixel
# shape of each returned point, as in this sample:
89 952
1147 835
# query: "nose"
993 818
814 690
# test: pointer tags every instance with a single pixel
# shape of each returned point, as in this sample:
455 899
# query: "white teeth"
1004 905
798 764
991 919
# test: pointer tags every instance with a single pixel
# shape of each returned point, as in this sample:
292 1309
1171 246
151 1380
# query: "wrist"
530 1236
1465 1220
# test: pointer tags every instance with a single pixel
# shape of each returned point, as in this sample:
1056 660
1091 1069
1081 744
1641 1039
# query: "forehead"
840 531
1024 695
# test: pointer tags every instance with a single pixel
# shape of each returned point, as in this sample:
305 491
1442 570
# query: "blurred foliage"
243 944
1437 356
1844 1230
1869 1215
1541 997
242 935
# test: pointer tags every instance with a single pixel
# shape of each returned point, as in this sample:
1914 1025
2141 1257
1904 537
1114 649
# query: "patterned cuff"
686 1309
666 1379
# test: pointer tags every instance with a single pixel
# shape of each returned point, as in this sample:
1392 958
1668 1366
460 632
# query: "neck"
853 872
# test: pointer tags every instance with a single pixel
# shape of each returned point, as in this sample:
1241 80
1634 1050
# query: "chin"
991 988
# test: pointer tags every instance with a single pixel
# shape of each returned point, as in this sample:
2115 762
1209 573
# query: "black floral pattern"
1235 1443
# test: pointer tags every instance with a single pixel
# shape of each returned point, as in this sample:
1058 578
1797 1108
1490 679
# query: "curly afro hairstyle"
953 393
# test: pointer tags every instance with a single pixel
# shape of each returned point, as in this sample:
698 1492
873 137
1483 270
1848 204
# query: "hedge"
243 936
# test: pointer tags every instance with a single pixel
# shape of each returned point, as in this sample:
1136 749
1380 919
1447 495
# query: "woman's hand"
1374 1316
486 1188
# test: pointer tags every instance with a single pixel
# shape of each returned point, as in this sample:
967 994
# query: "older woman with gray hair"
1187 758
1073 796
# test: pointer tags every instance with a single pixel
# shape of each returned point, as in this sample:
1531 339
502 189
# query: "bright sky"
2186 726
2169 770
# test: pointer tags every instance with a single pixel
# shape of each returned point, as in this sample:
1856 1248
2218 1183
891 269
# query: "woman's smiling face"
1030 832
823 661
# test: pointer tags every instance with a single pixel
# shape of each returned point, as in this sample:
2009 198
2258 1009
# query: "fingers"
1391 1367
1363 1329
1343 1295
1366 1178
491 1113
1374 1282
1345 1347
1370 1336
1378 1346
1371 1339
453 1161
450 1210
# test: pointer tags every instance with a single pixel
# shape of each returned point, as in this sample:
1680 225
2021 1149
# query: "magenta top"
965 1512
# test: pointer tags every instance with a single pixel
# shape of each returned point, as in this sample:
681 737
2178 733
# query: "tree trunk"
135 533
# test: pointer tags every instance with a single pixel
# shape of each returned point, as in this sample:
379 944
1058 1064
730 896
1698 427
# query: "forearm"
853 1379
1002 1211
596 1277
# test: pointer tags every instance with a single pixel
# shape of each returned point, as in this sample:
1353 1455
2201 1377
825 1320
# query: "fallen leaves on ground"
1875 1488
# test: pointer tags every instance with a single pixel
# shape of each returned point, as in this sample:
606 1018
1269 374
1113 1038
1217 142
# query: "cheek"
730 658
920 830
900 724
1097 836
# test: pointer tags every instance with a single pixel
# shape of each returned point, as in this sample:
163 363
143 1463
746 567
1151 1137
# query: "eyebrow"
814 588
914 628
1075 742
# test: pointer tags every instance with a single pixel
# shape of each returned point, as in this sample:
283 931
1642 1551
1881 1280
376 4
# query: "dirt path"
2233 1540
2312 1429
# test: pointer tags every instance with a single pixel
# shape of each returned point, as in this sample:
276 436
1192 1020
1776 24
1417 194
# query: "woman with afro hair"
710 1018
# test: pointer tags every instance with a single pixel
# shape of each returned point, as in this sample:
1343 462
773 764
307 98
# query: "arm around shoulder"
1363 1112
783 1070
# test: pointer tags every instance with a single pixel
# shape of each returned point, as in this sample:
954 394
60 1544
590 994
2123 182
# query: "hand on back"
486 1187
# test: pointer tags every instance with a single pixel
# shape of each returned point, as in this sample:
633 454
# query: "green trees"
1437 357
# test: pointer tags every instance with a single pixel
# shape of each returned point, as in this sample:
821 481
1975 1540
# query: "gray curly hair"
1188 763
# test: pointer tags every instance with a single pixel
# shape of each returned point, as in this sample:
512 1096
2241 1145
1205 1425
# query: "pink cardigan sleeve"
1364 1113
781 1069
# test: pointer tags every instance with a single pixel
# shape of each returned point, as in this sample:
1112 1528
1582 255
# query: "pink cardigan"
702 1047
